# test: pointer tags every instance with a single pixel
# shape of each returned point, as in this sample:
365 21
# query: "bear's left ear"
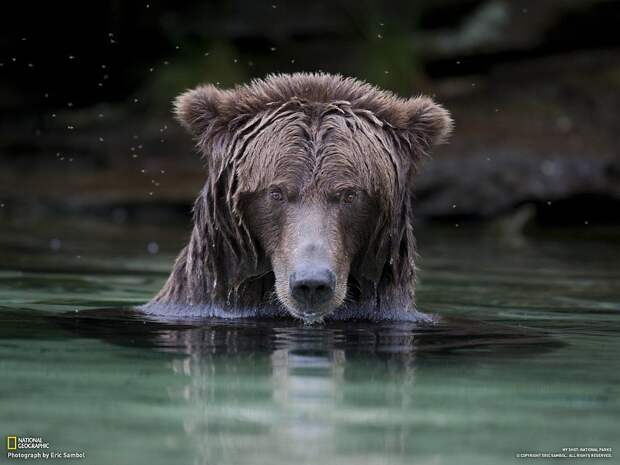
427 121
197 109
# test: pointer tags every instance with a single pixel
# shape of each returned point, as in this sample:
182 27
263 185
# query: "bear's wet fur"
304 172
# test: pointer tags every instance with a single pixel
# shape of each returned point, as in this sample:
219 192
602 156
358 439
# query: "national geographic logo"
26 442
36 448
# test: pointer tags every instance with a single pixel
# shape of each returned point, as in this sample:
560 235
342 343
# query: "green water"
527 359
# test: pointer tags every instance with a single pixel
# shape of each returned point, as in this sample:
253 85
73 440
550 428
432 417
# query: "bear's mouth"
309 317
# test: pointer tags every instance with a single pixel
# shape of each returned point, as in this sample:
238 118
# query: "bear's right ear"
198 109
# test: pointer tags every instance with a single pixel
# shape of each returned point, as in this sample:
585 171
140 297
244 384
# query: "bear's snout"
310 268
312 286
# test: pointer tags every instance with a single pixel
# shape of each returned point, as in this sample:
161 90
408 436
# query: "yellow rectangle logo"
11 442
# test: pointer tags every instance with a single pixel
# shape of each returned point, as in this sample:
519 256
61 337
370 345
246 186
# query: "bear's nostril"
312 287
303 289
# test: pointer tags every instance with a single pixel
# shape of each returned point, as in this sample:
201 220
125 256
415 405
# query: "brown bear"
307 205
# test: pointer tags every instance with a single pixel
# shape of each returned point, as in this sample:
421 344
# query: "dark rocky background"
534 87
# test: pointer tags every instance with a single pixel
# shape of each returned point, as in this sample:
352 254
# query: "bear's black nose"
312 286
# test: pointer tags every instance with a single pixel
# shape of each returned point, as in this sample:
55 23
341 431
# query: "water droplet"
55 244
152 248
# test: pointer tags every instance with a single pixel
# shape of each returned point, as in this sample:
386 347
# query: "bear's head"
308 202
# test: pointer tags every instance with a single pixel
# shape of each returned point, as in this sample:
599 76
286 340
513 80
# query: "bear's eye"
276 194
348 196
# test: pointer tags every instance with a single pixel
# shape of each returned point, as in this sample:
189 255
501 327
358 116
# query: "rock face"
537 133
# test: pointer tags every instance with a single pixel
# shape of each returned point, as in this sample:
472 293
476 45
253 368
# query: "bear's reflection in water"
289 392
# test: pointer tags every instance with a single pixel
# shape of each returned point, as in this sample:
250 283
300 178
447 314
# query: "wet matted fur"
316 137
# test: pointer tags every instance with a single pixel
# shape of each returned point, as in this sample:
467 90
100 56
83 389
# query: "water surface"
525 359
